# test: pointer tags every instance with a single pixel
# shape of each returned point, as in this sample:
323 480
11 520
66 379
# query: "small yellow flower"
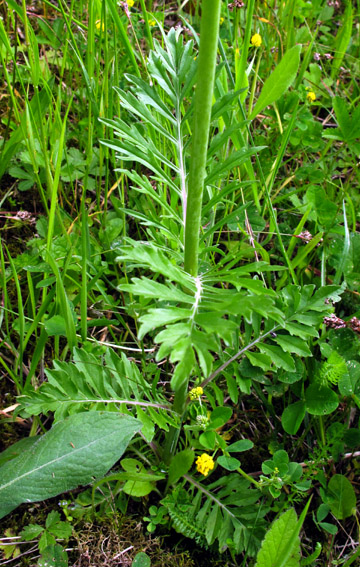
196 393
221 21
204 464
256 40
152 23
311 96
100 25
130 3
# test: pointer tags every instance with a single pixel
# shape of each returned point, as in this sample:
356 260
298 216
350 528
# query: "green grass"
101 108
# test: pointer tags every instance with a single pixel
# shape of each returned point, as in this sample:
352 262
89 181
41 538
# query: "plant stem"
209 30
249 478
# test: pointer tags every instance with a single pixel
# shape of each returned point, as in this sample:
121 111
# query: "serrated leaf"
31 531
293 344
280 358
259 359
276 543
74 452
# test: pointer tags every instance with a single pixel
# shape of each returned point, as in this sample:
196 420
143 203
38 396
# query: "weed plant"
181 330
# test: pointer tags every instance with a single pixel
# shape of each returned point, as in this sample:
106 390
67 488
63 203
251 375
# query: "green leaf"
275 547
279 81
53 556
259 359
320 399
220 416
229 463
330 528
207 439
240 446
293 344
183 369
31 531
280 358
158 317
55 326
180 465
341 497
17 449
46 541
213 524
292 417
141 559
74 452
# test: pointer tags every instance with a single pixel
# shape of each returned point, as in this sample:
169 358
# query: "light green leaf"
74 452
293 344
158 317
280 358
213 524
141 559
259 359
275 546
183 370
279 81
180 465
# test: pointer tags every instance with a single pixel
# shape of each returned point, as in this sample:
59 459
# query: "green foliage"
340 497
279 81
88 384
141 559
51 552
106 264
278 547
225 512
74 452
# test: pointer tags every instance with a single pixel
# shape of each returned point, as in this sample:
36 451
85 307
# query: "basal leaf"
74 452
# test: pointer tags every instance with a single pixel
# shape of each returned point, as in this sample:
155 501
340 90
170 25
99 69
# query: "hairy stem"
209 30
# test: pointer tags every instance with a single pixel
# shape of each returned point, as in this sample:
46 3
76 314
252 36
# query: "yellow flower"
196 393
152 23
256 40
204 464
311 96
130 3
99 25
221 21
